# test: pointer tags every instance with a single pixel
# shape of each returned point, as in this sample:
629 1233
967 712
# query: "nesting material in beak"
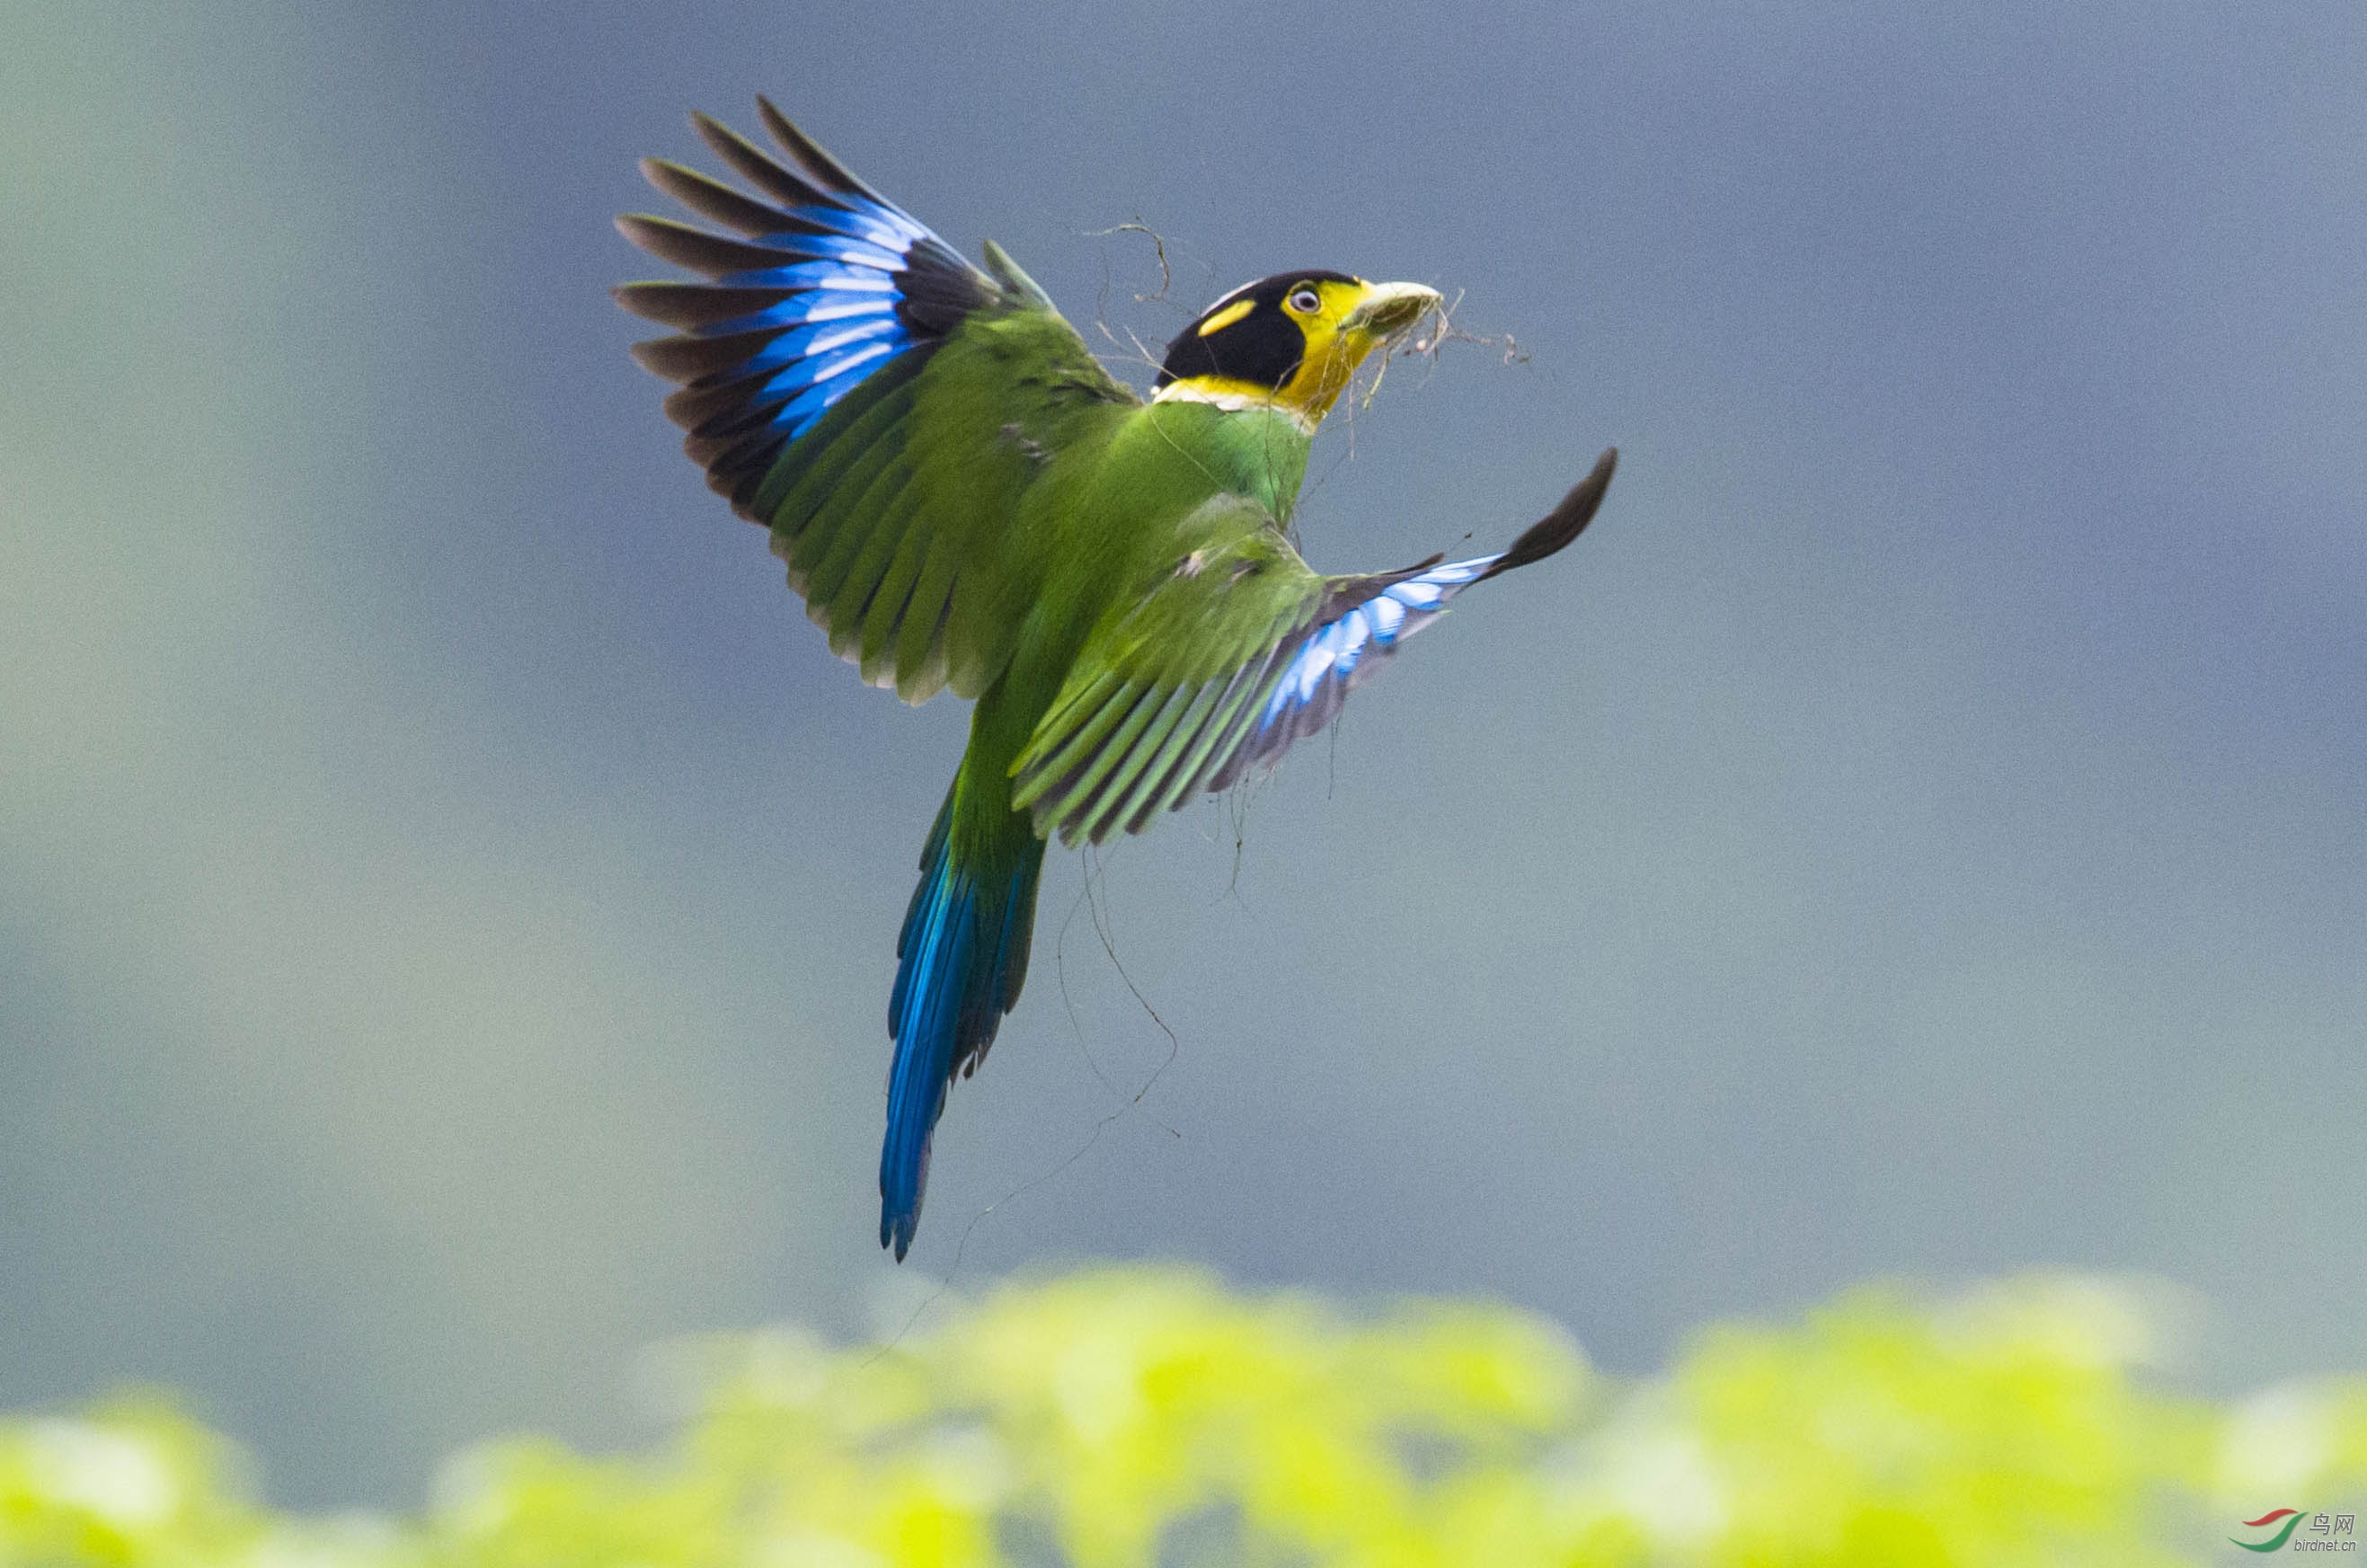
1389 310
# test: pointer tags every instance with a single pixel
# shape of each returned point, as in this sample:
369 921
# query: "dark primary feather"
719 203
791 190
696 250
1563 524
809 154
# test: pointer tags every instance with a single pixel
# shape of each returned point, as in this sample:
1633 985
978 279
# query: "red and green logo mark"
2289 1518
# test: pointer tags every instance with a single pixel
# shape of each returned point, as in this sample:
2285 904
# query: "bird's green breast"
1202 450
1107 525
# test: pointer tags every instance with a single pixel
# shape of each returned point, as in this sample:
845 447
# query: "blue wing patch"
1367 618
1337 654
1347 649
828 283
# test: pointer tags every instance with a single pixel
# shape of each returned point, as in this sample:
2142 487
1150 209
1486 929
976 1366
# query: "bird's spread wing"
1223 663
853 385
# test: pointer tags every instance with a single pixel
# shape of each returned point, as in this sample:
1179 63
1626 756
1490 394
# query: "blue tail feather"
963 958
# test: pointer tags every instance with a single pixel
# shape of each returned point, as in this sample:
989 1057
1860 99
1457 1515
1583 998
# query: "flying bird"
967 498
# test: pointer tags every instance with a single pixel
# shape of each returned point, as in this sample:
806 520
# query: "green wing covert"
1216 668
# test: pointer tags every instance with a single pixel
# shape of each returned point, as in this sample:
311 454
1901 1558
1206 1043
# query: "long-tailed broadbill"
967 498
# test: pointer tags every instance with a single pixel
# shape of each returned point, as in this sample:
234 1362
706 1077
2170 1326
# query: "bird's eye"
1305 300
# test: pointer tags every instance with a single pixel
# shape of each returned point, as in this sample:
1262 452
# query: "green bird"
966 498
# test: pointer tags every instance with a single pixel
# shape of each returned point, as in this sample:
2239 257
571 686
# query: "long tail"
964 956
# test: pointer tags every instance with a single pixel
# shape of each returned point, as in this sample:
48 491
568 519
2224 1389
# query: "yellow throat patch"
1290 342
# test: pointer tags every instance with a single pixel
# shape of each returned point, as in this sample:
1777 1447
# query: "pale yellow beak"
1391 310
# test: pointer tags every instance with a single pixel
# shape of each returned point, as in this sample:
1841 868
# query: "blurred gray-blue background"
448 891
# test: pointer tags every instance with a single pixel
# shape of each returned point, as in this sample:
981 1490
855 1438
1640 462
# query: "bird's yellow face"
1289 341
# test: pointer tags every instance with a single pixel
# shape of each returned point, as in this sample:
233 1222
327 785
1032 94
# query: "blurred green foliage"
1150 1415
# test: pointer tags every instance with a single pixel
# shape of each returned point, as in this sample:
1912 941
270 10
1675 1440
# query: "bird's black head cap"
1251 335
